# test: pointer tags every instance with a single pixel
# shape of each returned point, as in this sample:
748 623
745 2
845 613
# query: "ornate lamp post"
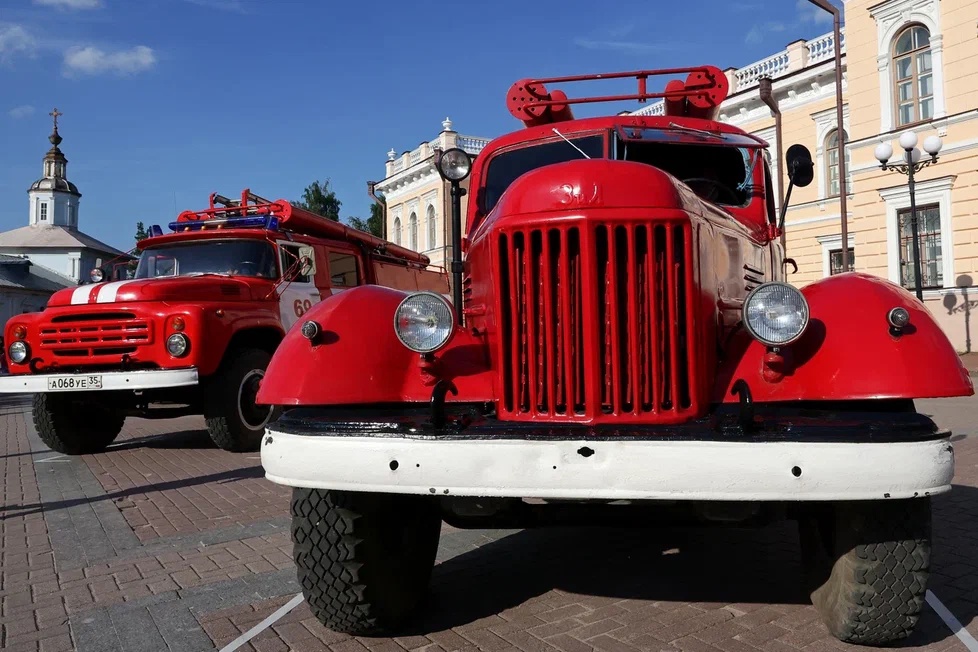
912 164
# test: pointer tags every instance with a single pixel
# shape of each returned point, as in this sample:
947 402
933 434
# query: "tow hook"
442 387
746 415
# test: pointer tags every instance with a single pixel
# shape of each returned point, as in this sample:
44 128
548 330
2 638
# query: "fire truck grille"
95 334
596 325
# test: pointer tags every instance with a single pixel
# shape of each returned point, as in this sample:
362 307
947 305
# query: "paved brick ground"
165 542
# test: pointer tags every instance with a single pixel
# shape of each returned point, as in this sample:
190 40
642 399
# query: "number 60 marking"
301 306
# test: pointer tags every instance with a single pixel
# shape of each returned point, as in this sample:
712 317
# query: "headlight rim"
27 351
746 322
444 157
451 330
100 272
186 344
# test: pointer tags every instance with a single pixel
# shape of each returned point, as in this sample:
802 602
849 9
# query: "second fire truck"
194 328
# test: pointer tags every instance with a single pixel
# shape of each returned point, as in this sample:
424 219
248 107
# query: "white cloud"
14 40
93 61
630 47
221 5
70 4
21 111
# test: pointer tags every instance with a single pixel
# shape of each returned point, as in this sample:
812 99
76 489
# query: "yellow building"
419 201
908 65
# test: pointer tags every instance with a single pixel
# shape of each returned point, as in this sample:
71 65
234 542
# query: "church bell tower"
54 199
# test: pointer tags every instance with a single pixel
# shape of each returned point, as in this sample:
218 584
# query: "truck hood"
185 288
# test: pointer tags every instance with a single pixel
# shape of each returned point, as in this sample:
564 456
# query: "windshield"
506 167
240 257
718 173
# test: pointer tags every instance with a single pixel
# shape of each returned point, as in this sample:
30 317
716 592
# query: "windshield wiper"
692 130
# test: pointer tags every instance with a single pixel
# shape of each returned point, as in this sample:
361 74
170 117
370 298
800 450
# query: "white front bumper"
659 470
110 381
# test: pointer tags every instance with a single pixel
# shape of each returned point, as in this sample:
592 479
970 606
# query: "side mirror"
801 172
801 169
307 261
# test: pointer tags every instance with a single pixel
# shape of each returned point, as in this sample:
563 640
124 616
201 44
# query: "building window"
70 210
432 231
413 230
397 230
929 242
44 211
832 164
835 261
913 73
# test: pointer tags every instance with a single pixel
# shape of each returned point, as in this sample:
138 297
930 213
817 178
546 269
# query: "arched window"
432 231
413 230
397 230
913 75
832 164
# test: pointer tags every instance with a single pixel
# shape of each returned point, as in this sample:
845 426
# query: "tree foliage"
373 224
319 198
141 232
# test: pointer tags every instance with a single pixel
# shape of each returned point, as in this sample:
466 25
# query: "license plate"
68 383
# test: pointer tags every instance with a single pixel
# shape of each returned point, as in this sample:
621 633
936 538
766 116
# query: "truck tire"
867 564
234 422
70 426
363 560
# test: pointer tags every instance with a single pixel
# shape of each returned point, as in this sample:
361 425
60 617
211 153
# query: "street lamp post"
912 164
843 191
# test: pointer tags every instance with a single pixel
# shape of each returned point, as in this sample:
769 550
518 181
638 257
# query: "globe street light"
912 164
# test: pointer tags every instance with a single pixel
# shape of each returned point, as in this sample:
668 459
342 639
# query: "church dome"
56 184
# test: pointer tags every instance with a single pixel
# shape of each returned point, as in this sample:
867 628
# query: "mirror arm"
784 206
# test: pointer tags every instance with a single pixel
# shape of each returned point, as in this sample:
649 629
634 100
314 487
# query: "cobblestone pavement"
165 542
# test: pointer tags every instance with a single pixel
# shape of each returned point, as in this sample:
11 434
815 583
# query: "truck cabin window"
718 168
508 166
254 258
719 173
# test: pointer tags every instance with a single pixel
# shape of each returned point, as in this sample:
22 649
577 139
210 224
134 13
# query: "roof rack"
698 97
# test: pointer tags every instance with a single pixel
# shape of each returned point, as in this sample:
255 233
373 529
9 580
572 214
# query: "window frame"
916 100
906 246
332 252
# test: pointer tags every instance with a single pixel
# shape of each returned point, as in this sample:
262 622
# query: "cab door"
298 293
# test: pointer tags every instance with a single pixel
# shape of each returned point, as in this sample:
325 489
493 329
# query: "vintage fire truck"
623 347
194 328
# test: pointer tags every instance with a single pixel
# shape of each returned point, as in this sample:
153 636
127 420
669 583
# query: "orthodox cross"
55 115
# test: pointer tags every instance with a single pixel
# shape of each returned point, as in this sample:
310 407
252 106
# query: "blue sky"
165 101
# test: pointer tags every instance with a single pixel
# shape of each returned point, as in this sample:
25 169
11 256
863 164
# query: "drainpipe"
836 31
767 96
371 187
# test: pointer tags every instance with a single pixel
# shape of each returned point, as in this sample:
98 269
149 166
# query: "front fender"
848 353
357 358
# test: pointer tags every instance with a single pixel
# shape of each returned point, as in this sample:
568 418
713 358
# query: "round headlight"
454 164
177 344
775 314
97 275
424 322
18 352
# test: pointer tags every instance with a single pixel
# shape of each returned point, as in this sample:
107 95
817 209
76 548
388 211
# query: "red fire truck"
194 328
623 347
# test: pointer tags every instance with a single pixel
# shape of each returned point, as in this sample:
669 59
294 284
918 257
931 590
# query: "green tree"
141 232
319 198
373 224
